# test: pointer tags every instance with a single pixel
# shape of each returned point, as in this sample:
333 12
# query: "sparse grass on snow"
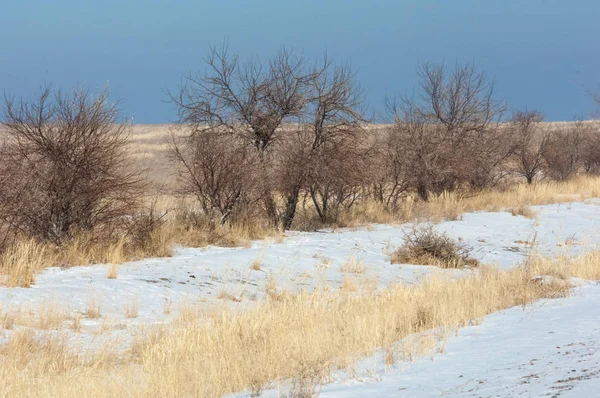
295 341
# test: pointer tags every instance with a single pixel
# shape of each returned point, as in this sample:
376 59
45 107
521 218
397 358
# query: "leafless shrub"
219 169
252 100
423 147
288 112
425 246
450 130
530 142
389 171
563 155
338 175
482 163
591 150
64 165
142 226
337 151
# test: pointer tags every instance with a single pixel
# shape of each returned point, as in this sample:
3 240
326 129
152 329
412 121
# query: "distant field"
150 146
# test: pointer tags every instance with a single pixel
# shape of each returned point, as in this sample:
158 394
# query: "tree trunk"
529 178
423 191
290 209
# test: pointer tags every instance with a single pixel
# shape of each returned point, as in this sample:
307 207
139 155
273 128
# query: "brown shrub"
286 112
64 165
424 245
530 142
563 154
219 170
450 131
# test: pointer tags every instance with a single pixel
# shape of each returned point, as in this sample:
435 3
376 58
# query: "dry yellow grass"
366 213
305 336
20 263
228 296
293 342
585 266
132 307
524 211
257 263
167 302
39 355
272 291
51 315
76 322
451 205
94 306
9 317
353 265
188 313
42 365
348 285
112 271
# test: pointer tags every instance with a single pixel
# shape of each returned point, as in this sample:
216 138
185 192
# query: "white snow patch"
549 349
305 260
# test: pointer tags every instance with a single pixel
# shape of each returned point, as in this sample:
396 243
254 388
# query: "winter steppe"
547 349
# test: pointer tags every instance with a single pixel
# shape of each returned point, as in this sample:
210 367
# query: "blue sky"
543 54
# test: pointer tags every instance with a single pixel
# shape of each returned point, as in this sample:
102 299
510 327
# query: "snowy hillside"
548 350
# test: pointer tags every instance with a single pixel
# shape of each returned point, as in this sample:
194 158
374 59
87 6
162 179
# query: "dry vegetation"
264 147
294 342
179 222
354 265
425 246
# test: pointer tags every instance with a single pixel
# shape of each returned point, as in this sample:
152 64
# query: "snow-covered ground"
307 260
551 349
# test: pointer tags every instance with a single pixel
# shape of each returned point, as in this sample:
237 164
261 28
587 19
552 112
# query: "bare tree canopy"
218 169
564 153
461 99
449 130
530 142
64 164
290 111
253 98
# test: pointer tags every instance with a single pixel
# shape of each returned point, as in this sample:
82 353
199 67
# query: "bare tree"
420 147
284 108
591 150
388 169
218 168
253 100
563 154
462 100
530 142
339 174
450 129
339 142
65 162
